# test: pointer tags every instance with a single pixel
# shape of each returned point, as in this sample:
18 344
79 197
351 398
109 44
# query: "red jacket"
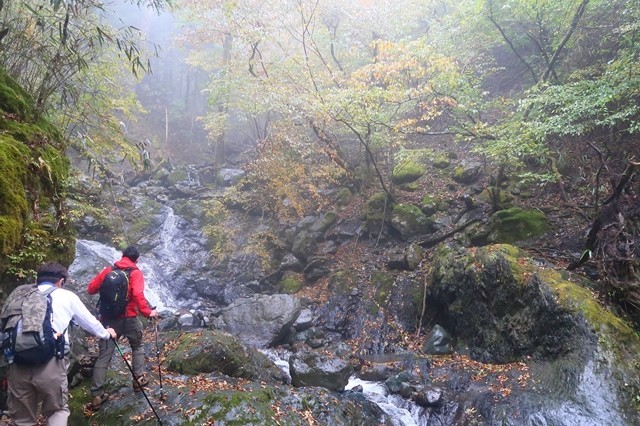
137 301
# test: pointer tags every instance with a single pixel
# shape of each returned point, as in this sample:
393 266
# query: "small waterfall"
92 256
401 411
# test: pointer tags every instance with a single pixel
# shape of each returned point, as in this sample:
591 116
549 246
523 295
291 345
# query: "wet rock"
428 397
438 342
260 320
309 368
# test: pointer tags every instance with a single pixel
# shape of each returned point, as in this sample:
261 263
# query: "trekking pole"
136 379
155 322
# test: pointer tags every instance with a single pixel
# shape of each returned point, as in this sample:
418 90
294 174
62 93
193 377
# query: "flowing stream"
401 411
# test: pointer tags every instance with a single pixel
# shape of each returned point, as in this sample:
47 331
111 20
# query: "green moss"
141 223
515 224
328 219
458 173
291 283
409 187
578 299
246 407
344 197
189 209
409 220
383 284
407 172
378 206
441 162
33 221
13 99
13 159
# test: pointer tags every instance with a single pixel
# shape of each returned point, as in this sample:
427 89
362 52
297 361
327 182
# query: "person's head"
52 272
131 253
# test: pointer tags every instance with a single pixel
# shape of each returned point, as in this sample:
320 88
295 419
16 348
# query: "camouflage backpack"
25 321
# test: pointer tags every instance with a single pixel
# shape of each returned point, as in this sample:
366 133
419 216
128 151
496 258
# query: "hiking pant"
131 328
30 386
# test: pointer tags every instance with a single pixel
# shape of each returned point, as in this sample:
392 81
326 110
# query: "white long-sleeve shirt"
67 306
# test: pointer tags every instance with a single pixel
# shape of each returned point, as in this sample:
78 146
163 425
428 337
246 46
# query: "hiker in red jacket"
126 324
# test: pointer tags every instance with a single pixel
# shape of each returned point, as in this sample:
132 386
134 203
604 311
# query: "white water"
401 411
92 256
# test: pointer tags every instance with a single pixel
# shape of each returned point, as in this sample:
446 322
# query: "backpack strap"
47 292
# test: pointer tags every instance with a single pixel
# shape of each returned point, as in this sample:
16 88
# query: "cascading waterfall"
401 411
159 264
92 256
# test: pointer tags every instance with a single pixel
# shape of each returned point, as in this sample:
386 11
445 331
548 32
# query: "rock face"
260 320
501 308
498 314
34 172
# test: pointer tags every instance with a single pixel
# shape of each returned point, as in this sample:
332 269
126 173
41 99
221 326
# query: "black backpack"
26 323
114 293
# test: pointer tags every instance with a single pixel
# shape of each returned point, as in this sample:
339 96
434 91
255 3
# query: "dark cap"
51 272
131 252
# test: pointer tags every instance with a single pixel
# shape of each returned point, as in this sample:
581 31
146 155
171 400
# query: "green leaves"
579 107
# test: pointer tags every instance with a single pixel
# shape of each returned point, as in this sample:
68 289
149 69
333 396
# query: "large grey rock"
310 368
260 320
229 177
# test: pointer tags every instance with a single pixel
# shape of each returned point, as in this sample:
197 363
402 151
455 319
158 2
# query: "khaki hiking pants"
131 328
30 386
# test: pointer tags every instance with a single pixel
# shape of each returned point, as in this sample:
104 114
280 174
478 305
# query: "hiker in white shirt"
47 384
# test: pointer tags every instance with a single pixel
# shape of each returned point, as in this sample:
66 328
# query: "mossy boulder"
414 256
176 176
509 226
515 224
409 221
406 172
466 172
378 206
211 351
441 162
344 197
500 307
431 204
377 212
382 282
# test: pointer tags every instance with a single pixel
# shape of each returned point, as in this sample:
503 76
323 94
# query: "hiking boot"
140 383
98 400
